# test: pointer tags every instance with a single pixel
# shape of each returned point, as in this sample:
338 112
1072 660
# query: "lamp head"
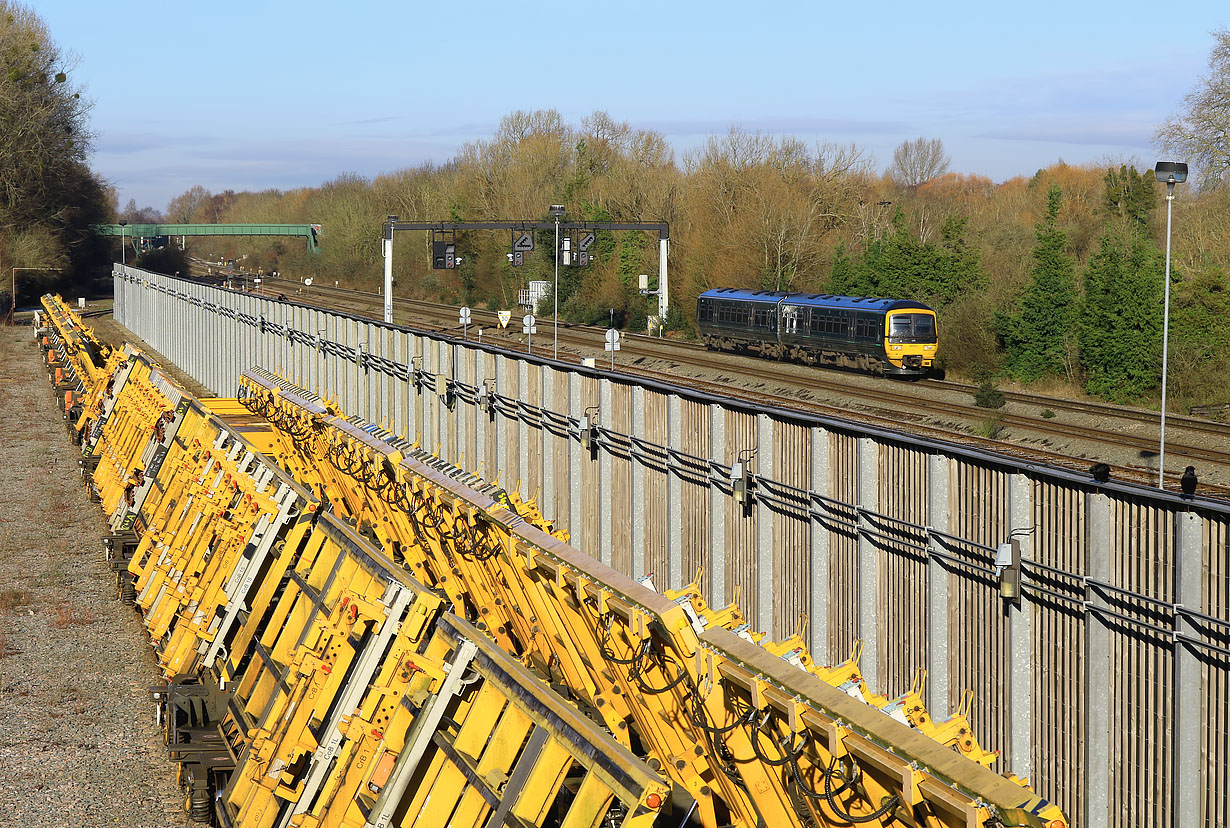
123 222
556 210
1170 172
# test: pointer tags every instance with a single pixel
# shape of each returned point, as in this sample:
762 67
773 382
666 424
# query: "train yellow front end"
911 339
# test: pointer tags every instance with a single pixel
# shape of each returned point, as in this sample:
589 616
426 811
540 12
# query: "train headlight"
928 347
896 347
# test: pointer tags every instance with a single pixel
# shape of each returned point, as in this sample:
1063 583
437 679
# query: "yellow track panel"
634 658
345 698
358 634
313 680
78 361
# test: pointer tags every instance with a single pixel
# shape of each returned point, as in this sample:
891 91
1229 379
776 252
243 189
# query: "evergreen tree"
1199 329
1121 318
898 265
1129 194
1036 337
958 268
846 274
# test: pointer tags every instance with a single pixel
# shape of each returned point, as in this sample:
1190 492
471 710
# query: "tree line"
1050 278
1053 278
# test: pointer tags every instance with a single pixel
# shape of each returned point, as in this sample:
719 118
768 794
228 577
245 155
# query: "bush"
676 320
989 428
988 396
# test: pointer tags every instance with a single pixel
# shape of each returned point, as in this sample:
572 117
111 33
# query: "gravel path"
78 744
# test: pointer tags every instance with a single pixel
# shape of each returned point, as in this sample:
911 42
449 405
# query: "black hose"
889 804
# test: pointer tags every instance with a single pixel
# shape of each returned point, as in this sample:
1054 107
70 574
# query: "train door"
790 321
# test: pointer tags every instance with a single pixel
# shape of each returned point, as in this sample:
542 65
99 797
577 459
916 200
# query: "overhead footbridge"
309 232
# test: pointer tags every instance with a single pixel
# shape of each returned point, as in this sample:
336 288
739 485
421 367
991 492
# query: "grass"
11 599
66 615
990 428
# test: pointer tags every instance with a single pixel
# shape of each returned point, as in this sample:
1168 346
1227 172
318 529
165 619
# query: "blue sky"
253 95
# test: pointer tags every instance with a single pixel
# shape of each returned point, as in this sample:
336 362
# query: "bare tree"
1200 133
917 162
183 208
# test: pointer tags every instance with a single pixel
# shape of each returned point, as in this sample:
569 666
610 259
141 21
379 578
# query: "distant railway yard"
1074 434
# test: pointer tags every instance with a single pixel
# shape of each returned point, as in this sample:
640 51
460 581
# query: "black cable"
638 670
787 754
808 790
889 804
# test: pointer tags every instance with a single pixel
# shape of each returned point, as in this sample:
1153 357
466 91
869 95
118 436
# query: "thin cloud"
366 121
1094 133
777 125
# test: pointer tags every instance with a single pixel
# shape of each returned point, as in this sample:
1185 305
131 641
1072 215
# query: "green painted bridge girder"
307 231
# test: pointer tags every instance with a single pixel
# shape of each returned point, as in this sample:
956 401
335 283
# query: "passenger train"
897 337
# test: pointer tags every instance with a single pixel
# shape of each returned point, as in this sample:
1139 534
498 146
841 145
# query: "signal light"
443 255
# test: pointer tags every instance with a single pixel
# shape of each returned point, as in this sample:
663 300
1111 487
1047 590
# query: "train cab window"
911 327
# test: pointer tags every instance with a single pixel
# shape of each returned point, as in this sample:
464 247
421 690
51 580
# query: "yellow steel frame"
413 646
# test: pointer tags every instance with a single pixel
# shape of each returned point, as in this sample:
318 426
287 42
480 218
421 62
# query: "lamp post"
557 212
1169 173
123 224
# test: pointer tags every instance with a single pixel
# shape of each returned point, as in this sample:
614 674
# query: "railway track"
1068 433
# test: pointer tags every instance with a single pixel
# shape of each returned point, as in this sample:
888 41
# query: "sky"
269 94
